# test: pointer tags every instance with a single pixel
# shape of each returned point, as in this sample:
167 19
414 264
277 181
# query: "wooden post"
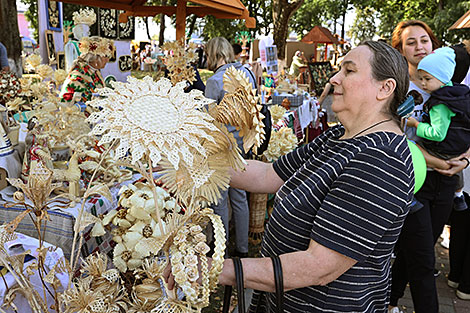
180 19
315 53
326 52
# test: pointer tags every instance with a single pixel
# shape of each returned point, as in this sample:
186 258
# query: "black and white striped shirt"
351 196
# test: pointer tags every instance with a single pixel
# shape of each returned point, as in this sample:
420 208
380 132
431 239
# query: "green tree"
282 13
439 15
31 15
259 9
319 12
363 27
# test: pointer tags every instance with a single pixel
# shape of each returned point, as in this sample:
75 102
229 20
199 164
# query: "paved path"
448 301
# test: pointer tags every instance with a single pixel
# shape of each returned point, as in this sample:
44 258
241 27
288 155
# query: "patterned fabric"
350 196
83 79
59 230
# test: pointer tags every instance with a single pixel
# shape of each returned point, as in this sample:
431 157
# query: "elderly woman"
340 200
85 76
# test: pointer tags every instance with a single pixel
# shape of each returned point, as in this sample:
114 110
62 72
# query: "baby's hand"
412 122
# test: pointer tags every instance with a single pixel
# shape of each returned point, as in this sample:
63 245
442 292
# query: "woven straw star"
210 173
240 108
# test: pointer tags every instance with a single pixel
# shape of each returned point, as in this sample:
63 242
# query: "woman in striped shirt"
340 200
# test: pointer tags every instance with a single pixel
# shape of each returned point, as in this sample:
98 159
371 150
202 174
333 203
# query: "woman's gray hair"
217 49
387 63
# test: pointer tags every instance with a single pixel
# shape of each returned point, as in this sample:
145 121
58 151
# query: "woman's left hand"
456 164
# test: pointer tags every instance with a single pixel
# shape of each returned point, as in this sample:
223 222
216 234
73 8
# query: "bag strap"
240 285
237 264
279 282
227 296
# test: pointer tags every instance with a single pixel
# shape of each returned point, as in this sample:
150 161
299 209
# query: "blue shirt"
3 56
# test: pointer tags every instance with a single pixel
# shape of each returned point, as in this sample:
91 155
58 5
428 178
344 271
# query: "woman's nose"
335 79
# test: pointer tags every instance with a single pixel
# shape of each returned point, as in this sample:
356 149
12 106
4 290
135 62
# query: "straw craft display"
84 16
277 113
179 59
157 224
282 142
240 108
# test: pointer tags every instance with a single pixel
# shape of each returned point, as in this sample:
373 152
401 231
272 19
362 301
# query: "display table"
21 244
59 229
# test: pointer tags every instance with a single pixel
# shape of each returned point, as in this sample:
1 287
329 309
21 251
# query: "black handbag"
278 280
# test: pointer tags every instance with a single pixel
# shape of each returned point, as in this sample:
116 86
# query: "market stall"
228 9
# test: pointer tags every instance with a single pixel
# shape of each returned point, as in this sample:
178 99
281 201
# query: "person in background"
459 245
445 125
219 58
415 256
237 51
297 61
85 76
4 58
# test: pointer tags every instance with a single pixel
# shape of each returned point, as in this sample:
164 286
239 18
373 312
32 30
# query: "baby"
445 128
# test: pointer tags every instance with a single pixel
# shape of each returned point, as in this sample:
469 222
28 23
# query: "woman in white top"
415 248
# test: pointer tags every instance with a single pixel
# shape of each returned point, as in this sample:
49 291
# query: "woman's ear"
386 88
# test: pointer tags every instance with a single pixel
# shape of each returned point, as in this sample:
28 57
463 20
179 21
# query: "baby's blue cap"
440 64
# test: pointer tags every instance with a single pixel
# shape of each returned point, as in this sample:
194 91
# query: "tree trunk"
282 12
161 36
192 24
10 34
345 9
146 20
440 5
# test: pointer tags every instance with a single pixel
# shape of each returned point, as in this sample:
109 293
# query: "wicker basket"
258 202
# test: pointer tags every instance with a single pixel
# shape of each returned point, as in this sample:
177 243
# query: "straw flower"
44 70
282 142
277 113
38 188
15 104
126 257
60 76
33 61
84 16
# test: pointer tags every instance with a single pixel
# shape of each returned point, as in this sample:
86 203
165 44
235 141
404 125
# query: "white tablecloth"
21 244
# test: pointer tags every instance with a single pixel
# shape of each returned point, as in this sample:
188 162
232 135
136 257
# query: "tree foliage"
259 9
364 25
439 15
317 12
31 15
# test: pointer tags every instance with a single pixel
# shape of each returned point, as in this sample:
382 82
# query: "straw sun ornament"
154 118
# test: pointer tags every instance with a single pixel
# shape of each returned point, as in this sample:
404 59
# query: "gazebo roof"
319 34
229 9
462 22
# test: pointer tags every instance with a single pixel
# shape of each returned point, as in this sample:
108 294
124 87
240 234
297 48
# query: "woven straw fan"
240 108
